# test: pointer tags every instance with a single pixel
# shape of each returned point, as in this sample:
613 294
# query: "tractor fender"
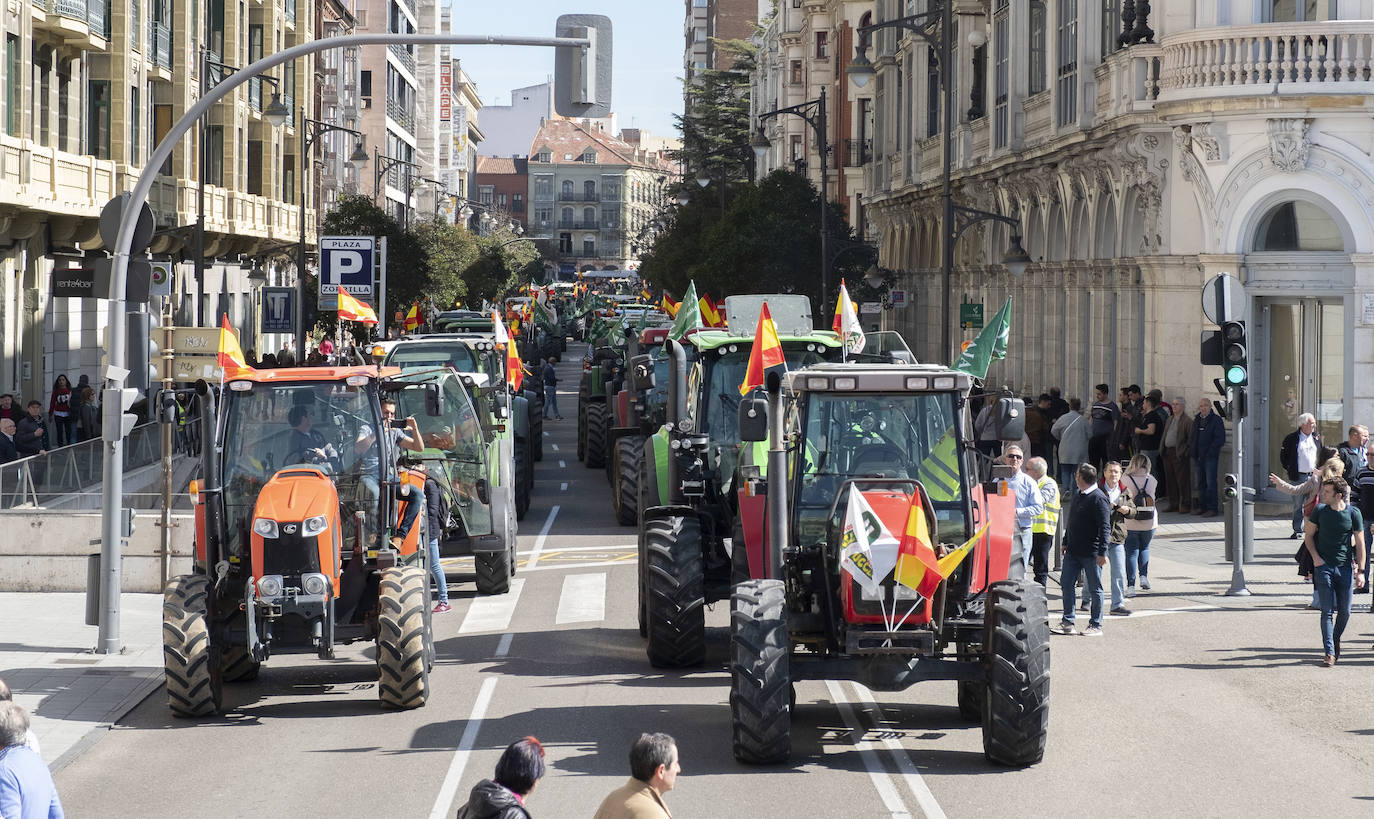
661 452
499 539
660 512
520 416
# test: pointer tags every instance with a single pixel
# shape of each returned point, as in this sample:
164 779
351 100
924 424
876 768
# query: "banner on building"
445 90
460 139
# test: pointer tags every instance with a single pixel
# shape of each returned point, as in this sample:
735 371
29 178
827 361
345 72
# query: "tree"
715 125
503 262
451 250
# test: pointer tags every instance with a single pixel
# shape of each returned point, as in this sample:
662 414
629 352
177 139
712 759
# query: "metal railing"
578 196
576 225
403 115
39 480
857 152
407 59
46 5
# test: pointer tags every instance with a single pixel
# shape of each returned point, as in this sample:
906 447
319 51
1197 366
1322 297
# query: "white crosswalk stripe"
494 612
583 599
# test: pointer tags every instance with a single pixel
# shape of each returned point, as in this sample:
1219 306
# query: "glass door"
1301 357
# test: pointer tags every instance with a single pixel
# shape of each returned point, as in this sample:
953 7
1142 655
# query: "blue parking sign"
346 261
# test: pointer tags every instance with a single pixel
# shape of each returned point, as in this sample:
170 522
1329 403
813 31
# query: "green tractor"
687 505
638 411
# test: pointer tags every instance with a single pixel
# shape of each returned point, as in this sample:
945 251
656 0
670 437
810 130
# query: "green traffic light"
1235 376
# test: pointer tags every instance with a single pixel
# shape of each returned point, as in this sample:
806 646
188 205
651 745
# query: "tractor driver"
308 446
366 445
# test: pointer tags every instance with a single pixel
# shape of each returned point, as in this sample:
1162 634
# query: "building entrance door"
1298 357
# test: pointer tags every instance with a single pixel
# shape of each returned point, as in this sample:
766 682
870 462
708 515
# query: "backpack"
1140 498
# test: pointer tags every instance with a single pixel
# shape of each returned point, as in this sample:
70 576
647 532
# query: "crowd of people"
72 415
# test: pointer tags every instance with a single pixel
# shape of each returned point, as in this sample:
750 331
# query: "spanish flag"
765 354
669 306
350 309
413 318
917 566
709 316
515 369
646 295
230 354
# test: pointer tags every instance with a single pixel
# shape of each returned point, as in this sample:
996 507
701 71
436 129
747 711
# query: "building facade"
389 87
1141 154
91 87
503 185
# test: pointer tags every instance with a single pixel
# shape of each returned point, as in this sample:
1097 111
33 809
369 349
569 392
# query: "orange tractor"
308 536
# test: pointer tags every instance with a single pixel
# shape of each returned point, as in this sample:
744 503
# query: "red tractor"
895 435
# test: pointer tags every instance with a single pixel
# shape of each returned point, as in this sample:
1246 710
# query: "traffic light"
1211 348
1233 354
1232 484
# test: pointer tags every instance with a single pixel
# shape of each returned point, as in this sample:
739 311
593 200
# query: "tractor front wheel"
523 480
402 647
760 673
596 436
1016 705
675 585
629 451
190 660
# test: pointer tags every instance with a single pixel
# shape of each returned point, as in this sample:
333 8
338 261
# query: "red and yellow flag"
709 315
413 318
515 369
669 306
230 354
765 354
917 567
646 295
350 309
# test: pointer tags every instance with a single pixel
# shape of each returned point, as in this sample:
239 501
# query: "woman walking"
1141 489
1330 531
60 411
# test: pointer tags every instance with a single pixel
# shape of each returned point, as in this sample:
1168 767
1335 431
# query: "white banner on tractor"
868 550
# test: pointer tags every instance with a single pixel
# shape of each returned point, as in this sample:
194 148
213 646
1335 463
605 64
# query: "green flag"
688 314
989 346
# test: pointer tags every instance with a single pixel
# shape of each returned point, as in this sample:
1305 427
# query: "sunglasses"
1015 457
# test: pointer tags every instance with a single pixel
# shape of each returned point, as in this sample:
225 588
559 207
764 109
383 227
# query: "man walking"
1298 455
1044 524
550 376
1351 452
1178 438
1209 435
653 772
1104 417
1085 551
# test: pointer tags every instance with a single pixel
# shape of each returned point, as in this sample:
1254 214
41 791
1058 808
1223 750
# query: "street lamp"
813 112
311 130
383 166
955 219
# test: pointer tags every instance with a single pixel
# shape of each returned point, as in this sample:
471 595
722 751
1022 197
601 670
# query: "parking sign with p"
345 261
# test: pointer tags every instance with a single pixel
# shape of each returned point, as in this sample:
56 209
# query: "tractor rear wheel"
629 451
1016 706
523 482
760 673
402 647
494 571
537 431
596 436
581 427
190 659
675 585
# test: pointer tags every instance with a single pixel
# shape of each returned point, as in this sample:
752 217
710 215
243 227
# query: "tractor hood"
295 494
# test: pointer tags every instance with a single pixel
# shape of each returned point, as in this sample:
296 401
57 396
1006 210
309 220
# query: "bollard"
93 589
1247 527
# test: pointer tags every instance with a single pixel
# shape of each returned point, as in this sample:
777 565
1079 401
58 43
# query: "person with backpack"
1142 490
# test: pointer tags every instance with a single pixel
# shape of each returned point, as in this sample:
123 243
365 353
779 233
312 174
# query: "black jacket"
436 510
489 800
7 451
1090 526
24 439
1288 453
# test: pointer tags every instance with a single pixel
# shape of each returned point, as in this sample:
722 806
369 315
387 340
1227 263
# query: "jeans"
436 569
1138 554
1334 585
1073 565
1067 482
1116 557
65 429
1207 484
551 402
1298 501
1021 542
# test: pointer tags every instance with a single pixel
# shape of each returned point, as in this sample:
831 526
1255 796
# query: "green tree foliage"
451 250
502 264
768 242
715 127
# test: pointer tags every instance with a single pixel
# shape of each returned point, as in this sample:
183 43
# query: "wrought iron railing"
407 59
857 152
572 224
402 114
578 196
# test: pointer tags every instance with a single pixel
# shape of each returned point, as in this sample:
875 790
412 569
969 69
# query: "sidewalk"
72 694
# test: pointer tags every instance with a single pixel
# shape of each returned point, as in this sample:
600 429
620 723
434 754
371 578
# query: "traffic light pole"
1237 511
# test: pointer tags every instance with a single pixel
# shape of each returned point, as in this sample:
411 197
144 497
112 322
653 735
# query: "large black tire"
760 673
972 695
581 427
191 662
674 583
523 482
536 405
596 436
1016 706
629 451
402 645
495 569
236 664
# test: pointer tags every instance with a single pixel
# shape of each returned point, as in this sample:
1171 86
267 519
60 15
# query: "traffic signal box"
1226 348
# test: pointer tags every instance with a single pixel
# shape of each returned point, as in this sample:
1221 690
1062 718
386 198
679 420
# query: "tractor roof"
313 374
853 377
712 339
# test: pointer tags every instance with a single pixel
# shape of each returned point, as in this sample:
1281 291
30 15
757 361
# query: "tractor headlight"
270 586
313 526
685 425
265 527
676 443
314 584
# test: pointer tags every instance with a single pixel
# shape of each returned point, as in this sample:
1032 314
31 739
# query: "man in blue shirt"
1029 502
26 787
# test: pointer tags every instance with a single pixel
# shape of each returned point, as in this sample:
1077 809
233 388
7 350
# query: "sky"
647 48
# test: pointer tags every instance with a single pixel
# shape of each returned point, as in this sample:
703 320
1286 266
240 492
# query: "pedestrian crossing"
493 612
583 599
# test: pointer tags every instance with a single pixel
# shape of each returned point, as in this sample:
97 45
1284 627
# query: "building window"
517 203
1111 26
214 168
610 192
135 127
588 246
543 188
1298 226
932 93
1035 56
365 84
699 4
565 217
14 82
288 179
501 203
567 190
543 216
795 154
64 90
589 156
1001 43
484 193
1298 11
822 45
543 156
610 218
699 35
589 217
1067 73
589 191
795 74
98 120
565 243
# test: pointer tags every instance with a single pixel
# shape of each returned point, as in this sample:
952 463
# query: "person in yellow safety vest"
1044 524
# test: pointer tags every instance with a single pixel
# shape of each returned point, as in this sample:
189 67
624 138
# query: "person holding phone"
397 434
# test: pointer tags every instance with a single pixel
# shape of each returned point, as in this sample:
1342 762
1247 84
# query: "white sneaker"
1092 631
1130 591
1064 627
1144 582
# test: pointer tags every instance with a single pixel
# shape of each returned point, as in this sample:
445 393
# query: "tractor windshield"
274 425
716 408
454 449
892 435
431 355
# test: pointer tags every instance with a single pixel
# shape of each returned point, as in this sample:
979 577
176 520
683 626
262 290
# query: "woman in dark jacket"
88 414
503 797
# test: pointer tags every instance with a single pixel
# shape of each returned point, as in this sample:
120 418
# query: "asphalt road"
1198 705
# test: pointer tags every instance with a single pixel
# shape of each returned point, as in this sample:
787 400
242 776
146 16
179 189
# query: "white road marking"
1155 612
563 487
562 464
630 546
882 783
443 804
555 447
543 536
493 612
924 798
503 647
583 599
556 567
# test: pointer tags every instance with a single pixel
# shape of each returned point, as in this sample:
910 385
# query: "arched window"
1297 225
589 191
567 188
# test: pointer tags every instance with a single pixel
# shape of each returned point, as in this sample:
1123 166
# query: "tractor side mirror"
1009 418
500 399
642 373
753 419
483 491
434 400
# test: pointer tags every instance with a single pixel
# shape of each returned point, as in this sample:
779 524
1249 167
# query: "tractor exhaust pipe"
777 482
210 477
